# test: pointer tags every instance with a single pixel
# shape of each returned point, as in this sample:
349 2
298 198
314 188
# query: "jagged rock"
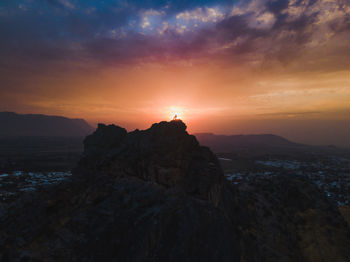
164 154
103 139
157 195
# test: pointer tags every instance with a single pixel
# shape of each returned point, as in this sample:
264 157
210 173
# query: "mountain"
225 143
157 195
12 124
258 144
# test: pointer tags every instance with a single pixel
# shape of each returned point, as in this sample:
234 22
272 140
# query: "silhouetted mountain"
12 124
225 143
157 195
259 144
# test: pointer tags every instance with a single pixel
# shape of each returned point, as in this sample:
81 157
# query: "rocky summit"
157 195
165 155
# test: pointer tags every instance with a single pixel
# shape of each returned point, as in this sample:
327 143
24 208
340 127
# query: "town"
331 174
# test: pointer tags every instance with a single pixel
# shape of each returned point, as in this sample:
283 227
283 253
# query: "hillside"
12 124
157 195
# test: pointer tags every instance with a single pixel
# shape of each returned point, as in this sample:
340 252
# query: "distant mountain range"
13 124
225 143
29 125
257 144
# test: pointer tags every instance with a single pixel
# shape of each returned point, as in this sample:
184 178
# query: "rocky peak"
164 154
104 138
175 129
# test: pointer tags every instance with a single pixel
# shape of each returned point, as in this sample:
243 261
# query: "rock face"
157 195
165 154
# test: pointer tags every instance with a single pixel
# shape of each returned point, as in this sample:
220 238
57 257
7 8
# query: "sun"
176 113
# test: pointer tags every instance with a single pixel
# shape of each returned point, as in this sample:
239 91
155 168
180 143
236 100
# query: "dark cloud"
276 6
109 32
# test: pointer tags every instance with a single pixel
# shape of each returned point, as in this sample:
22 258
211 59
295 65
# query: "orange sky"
207 97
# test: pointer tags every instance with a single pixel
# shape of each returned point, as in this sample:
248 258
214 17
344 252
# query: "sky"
228 67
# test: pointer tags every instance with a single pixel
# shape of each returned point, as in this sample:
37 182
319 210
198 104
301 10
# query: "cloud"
257 33
203 15
148 15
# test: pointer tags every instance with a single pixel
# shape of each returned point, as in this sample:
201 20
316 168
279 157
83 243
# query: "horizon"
226 67
146 125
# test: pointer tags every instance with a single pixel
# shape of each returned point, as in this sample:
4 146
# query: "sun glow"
176 113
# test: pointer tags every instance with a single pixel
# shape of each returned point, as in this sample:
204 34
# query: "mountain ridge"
255 137
259 143
13 124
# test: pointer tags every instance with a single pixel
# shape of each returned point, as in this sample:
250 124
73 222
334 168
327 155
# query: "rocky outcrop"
157 195
164 154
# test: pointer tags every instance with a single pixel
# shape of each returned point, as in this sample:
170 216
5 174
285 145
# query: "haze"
229 67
